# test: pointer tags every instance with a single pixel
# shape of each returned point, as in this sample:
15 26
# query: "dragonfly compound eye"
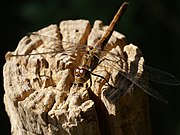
79 72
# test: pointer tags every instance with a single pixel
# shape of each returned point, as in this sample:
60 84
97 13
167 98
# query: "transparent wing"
123 85
112 94
130 78
153 74
159 76
55 46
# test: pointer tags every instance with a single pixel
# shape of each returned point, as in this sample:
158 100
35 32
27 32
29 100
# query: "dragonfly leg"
90 81
102 78
101 61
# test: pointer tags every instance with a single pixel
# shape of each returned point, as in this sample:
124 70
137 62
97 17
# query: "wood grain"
40 97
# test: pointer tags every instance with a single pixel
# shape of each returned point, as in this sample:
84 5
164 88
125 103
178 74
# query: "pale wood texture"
39 95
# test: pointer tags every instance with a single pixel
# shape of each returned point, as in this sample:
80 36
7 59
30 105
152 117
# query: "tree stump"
40 97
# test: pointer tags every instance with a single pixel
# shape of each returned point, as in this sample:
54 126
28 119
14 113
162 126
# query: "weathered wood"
39 95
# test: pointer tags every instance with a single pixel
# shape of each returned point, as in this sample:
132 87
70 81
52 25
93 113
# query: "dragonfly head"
81 75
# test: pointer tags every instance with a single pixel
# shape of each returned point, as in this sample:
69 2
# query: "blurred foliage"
153 25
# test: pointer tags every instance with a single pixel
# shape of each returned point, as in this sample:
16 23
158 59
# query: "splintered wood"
40 97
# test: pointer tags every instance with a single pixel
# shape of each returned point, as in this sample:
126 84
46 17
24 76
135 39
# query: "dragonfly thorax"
88 63
94 49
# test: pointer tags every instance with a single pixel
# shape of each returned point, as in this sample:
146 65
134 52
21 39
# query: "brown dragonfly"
93 56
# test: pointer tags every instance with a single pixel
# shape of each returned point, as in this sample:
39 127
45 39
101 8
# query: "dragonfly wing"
50 45
125 85
160 76
68 47
122 85
153 74
144 85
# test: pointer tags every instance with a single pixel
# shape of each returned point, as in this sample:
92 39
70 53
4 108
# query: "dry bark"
40 97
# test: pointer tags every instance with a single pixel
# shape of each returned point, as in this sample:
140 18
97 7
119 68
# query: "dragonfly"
92 57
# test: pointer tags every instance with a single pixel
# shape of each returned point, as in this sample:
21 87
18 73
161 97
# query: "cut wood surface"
40 97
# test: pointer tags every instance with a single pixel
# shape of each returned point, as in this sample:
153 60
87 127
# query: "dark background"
152 25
